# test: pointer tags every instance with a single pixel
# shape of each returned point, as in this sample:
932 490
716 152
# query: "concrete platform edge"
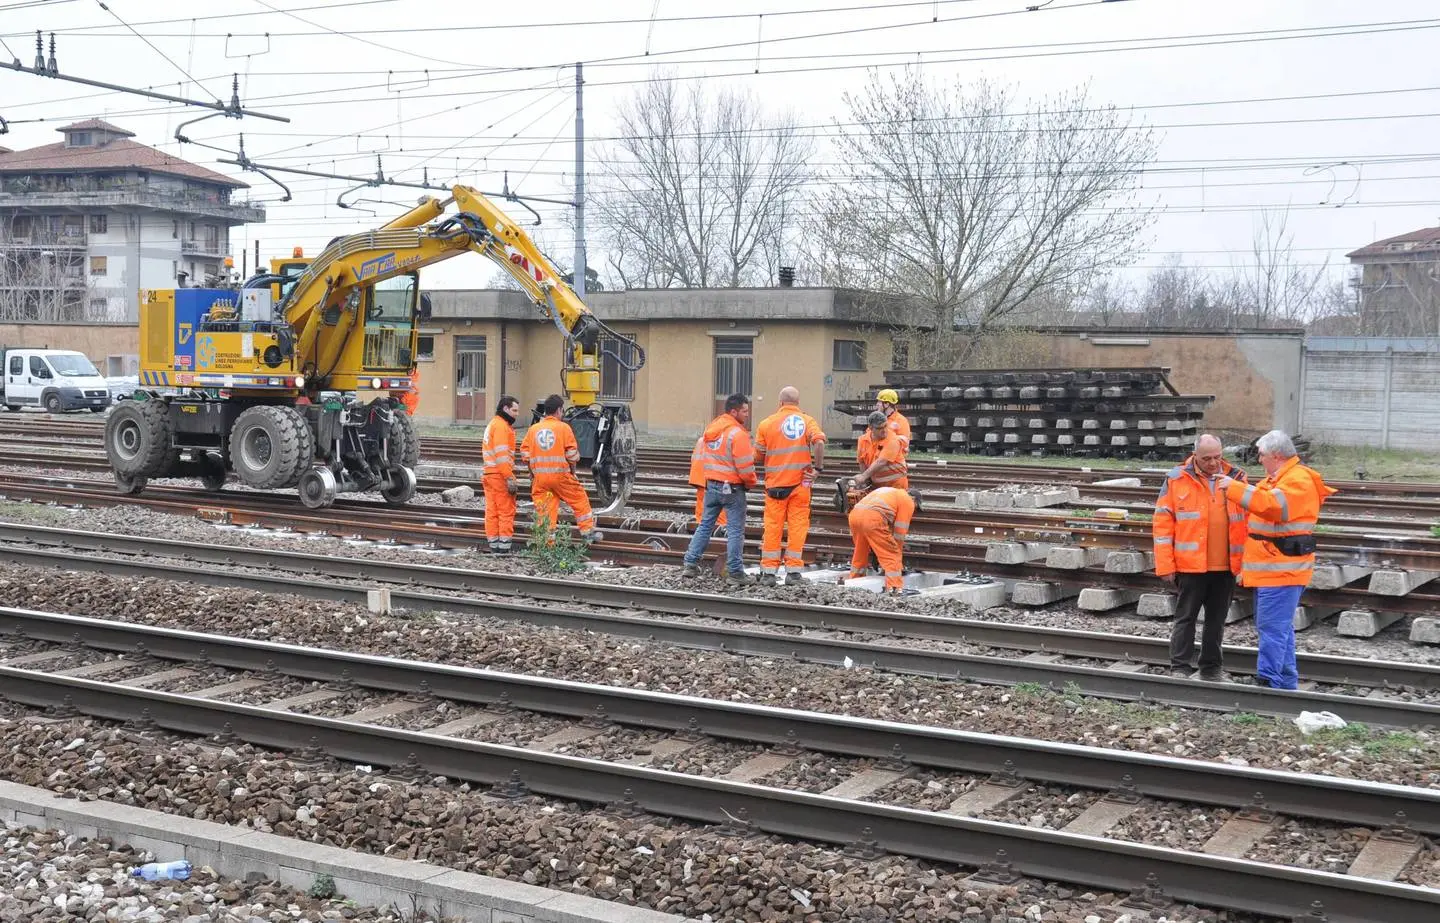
368 879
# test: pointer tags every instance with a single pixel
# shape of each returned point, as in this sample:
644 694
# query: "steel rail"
1324 668
1055 855
990 670
1301 795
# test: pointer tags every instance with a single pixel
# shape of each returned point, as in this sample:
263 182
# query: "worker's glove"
512 486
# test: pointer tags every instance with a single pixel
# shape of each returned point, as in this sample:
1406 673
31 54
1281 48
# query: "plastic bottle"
154 871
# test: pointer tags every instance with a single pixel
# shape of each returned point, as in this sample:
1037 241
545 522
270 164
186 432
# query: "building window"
99 307
97 265
79 139
617 382
734 367
174 229
99 224
469 364
849 356
425 348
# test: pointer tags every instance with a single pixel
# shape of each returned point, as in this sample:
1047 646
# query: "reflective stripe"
1280 498
1237 549
770 555
1187 515
1187 546
1279 565
892 573
901 528
1163 509
1163 540
1237 517
784 450
548 466
789 466
1245 497
1298 527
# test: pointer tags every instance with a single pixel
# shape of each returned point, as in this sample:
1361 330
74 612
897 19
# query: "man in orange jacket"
880 522
1279 550
697 481
887 402
498 458
727 460
1199 536
791 446
881 455
551 452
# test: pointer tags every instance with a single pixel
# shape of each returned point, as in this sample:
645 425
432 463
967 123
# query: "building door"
734 369
470 402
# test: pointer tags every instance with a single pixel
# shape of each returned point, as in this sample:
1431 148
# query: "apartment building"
87 222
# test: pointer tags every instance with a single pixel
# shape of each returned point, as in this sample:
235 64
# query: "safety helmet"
888 396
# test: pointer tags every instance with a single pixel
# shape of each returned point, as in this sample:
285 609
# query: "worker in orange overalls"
727 460
880 522
697 481
498 457
791 446
551 452
881 455
887 402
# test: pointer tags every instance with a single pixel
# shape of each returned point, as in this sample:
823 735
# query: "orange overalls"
551 452
697 481
411 398
879 523
783 444
894 472
498 454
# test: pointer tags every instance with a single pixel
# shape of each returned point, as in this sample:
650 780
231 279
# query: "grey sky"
344 95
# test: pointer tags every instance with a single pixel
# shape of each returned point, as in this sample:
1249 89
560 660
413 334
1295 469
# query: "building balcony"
42 240
192 246
192 203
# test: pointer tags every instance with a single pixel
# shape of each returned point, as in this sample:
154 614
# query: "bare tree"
957 197
42 278
699 190
1276 288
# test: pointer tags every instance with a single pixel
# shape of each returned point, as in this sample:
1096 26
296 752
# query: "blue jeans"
1275 624
733 504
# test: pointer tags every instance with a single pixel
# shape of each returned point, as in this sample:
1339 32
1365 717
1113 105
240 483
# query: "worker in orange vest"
880 522
887 402
1279 554
727 460
881 455
498 457
697 481
551 452
791 446
410 398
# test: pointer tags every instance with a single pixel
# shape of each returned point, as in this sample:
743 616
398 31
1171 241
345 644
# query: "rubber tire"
13 408
306 456
282 425
129 486
150 423
53 404
215 475
404 441
97 409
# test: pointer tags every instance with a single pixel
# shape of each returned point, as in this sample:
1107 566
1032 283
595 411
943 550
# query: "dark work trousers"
1212 591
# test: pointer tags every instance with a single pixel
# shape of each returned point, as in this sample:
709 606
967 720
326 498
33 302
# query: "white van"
54 379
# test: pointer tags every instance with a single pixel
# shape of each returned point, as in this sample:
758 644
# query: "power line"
354 35
153 48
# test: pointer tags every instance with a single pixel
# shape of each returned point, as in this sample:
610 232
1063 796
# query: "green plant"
554 549
1245 717
322 888
1435 530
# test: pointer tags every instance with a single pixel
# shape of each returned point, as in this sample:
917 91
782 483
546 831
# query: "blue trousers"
1275 624
733 503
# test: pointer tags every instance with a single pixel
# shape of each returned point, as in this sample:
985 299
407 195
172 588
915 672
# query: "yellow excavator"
261 380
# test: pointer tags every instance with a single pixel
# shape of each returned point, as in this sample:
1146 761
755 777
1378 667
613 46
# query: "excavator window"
393 301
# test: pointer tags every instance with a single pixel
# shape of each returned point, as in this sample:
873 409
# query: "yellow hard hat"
888 396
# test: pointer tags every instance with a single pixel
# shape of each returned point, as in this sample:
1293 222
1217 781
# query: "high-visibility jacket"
891 474
894 505
1181 526
784 442
550 447
725 452
497 448
900 426
1287 504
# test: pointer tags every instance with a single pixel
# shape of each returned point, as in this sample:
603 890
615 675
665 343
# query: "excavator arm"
324 310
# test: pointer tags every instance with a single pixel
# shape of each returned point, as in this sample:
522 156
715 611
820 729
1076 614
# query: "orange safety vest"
550 447
1287 504
1181 527
725 452
784 440
900 426
894 470
497 449
894 505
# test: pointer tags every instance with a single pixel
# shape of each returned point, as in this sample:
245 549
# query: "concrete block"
1089 392
1009 422
1030 393
932 421
1334 576
1064 424
994 499
1039 439
992 438
1173 442
960 422
958 437
1175 425
1064 439
1145 424
985 422
1089 424
378 601
1305 616
1074 557
1425 631
1118 482
1115 391
1129 562
1126 666
1241 608
1103 599
1147 441
932 437
458 494
1035 423
967 499
1053 496
1397 582
1362 623
1036 593
1156 606
1120 441
1119 424
974 595
1057 393
951 393
1012 439
975 394
1016 552
1092 440
1002 393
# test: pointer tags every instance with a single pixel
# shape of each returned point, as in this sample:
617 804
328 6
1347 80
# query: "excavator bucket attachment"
606 437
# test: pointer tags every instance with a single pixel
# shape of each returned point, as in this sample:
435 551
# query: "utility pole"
579 271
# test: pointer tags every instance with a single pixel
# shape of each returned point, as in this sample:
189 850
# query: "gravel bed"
274 689
818 772
518 729
432 714
1425 869
1158 823
707 759
345 703
1323 847
1411 758
696 871
616 744
930 791
56 876
1043 806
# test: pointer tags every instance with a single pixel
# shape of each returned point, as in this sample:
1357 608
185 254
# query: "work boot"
1215 675
591 537
690 571
499 546
740 579
1181 672
767 580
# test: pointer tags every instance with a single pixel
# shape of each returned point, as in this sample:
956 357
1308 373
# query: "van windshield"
72 365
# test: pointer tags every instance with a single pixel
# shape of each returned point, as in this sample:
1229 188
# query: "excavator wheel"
317 487
129 486
404 441
265 446
305 454
402 485
137 439
214 474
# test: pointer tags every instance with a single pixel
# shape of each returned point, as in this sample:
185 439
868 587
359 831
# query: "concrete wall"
97 341
1254 377
1372 391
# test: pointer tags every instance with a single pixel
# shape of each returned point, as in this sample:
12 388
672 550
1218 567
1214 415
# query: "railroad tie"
1387 853
564 738
984 797
662 750
1101 816
303 699
758 767
461 725
99 668
227 689
864 784
155 679
1239 835
387 710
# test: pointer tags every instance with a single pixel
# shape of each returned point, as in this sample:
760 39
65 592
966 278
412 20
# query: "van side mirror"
426 306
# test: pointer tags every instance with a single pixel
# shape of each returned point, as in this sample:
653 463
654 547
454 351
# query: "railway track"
382 711
1376 692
